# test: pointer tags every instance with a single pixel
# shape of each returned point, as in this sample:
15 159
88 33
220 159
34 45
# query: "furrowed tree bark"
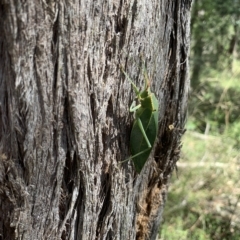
65 121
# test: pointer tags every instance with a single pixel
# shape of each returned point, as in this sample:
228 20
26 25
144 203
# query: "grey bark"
65 121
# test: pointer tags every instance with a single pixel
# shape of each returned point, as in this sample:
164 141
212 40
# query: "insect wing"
138 143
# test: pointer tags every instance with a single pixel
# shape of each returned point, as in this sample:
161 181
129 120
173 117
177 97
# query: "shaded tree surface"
65 121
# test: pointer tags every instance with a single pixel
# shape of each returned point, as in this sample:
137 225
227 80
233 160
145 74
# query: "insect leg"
135 155
133 107
143 132
139 122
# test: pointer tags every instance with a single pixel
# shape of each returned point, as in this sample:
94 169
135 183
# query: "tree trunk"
65 121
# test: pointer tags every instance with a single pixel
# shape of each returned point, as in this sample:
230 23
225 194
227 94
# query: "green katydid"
145 126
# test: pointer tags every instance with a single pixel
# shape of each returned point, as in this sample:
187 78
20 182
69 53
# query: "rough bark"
65 121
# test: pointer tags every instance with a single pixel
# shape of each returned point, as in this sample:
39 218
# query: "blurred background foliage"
204 196
215 66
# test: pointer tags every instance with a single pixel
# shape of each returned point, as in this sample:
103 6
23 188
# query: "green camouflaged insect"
145 126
